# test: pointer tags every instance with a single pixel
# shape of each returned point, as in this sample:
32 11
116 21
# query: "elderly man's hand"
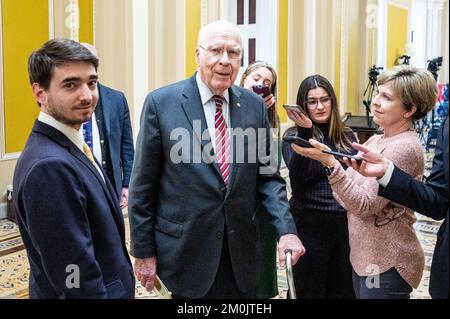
145 271
292 242
124 198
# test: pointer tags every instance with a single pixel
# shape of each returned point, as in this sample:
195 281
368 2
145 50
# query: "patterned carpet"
14 267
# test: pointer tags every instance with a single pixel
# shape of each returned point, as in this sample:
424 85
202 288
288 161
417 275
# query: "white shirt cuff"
384 181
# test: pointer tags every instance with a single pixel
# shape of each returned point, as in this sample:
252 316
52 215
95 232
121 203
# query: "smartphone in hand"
295 108
261 89
341 155
297 140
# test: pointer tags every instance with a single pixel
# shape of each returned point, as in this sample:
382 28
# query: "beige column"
437 34
166 39
371 25
297 41
352 49
212 9
65 19
444 75
325 31
366 54
113 26
141 46
114 42
331 38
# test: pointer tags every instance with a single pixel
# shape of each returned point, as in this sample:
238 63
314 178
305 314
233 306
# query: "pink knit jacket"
393 243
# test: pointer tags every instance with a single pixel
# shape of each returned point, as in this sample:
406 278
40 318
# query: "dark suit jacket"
67 215
119 134
429 199
179 211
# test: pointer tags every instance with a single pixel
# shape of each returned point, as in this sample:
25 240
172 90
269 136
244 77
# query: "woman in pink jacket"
386 256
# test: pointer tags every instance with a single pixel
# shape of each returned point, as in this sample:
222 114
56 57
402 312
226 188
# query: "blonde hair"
414 86
272 112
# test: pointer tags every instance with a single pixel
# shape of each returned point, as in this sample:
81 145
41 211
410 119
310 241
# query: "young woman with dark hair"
324 272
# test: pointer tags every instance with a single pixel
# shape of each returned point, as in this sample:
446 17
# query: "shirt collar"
206 94
75 136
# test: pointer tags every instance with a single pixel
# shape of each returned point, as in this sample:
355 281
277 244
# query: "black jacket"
429 199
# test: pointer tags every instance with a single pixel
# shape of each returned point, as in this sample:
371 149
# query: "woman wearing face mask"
386 256
324 272
261 74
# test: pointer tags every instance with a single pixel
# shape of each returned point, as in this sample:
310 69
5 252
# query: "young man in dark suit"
429 199
68 214
111 137
192 213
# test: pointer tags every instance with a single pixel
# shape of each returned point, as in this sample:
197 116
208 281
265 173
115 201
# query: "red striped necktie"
223 146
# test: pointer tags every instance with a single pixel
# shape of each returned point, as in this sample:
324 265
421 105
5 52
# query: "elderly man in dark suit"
110 136
68 214
429 199
192 213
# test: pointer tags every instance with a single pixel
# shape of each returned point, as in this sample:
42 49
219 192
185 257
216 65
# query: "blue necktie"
87 133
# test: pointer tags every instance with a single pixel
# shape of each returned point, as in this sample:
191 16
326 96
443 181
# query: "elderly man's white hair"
217 26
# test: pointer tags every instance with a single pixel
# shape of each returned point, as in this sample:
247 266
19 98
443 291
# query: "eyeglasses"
394 213
217 52
313 103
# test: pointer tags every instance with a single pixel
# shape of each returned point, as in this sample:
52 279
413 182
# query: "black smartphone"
295 108
261 89
349 156
297 140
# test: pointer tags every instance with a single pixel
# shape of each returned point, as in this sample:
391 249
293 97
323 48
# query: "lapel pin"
238 104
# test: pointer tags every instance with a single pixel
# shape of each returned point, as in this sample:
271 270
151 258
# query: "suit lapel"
107 188
82 157
193 108
445 148
117 211
237 119
105 100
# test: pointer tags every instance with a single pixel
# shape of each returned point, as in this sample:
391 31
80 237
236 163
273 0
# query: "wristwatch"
328 170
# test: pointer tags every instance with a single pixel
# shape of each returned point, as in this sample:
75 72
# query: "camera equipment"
434 66
406 59
374 73
261 89
371 88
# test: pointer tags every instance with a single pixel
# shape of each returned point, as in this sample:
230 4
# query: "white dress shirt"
384 181
75 136
209 108
97 150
